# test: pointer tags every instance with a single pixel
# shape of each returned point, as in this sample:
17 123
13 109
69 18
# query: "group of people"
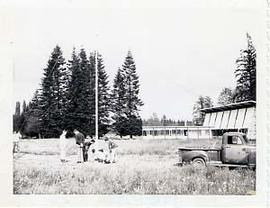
102 150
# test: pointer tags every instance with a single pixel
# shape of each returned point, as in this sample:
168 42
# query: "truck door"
234 150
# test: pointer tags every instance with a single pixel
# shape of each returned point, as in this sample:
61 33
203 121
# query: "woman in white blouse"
62 146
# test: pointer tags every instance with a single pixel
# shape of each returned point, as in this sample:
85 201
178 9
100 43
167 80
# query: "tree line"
66 98
154 120
245 90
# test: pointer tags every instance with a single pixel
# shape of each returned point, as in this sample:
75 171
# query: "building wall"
177 132
243 119
239 118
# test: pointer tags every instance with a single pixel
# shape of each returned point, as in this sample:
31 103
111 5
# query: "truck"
235 151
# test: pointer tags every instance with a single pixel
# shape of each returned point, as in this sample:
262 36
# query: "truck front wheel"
198 162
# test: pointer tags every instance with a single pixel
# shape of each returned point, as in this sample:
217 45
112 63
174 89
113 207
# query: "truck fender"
189 156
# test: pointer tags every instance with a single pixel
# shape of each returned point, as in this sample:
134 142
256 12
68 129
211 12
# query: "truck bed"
200 148
201 144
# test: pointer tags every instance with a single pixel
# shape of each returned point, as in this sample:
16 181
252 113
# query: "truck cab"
237 150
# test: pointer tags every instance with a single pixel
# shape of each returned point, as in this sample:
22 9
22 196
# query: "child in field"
62 146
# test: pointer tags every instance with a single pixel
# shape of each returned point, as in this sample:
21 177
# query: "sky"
181 50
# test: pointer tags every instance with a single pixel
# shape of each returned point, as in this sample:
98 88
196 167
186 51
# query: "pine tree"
103 98
226 96
18 109
23 106
118 105
132 100
73 115
83 85
201 103
17 117
92 94
164 121
52 94
246 73
32 123
80 114
23 119
34 116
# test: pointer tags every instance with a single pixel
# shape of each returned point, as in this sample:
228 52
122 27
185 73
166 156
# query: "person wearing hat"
79 138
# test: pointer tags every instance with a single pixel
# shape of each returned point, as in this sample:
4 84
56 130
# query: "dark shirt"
79 138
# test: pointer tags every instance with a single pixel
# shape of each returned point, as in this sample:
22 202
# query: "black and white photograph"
126 98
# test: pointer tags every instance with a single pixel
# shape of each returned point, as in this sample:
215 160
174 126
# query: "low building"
176 132
236 117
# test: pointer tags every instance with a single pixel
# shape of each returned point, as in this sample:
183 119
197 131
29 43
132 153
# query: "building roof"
229 107
174 127
234 133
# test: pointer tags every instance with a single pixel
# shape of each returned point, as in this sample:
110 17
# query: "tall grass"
126 147
143 167
186 180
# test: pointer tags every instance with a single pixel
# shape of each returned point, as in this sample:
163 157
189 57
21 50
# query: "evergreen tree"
103 98
18 109
31 117
201 103
118 105
52 94
226 96
154 120
83 96
73 116
24 106
246 73
23 119
17 117
164 121
92 94
132 100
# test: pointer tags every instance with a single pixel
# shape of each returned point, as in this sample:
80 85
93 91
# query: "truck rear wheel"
198 162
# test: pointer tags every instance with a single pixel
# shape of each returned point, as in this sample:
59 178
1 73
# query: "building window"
243 131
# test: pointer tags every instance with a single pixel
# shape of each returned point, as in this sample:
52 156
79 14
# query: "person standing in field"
62 146
88 142
16 138
79 138
112 146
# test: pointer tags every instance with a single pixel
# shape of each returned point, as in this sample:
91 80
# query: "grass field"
142 167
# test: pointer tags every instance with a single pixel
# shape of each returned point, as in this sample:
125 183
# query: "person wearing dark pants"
79 137
86 148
